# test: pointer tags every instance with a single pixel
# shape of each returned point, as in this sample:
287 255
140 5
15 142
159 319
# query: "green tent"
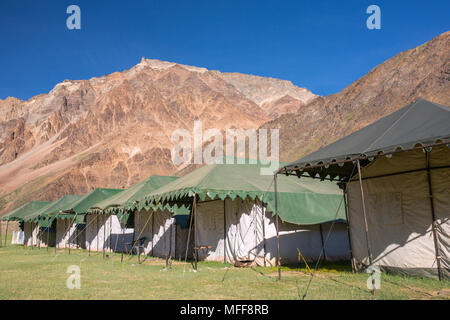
47 214
132 194
300 201
421 123
79 208
27 210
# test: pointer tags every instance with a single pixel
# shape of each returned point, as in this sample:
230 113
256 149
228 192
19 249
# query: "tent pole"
68 229
104 235
123 235
56 230
110 231
86 234
224 231
6 233
323 244
195 232
32 238
264 231
433 216
189 236
96 229
369 251
347 217
56 233
48 236
1 238
153 228
277 226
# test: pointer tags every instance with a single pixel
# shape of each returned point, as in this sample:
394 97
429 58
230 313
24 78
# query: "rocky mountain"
115 130
421 72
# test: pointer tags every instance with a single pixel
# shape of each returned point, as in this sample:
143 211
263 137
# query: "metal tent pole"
110 232
6 233
97 229
277 226
38 238
32 242
189 236
264 231
369 251
195 232
224 231
123 234
323 243
347 217
153 235
433 217
70 226
48 234
1 235
104 235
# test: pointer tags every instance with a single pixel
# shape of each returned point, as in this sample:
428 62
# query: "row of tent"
223 211
391 209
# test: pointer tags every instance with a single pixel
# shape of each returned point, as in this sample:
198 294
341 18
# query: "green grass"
27 273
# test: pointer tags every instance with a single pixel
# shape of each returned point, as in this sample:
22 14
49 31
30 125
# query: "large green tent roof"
421 123
47 214
134 193
305 201
23 212
80 207
87 201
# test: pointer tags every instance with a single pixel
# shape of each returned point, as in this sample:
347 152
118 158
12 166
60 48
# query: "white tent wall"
399 213
66 235
159 229
251 235
104 231
17 237
30 231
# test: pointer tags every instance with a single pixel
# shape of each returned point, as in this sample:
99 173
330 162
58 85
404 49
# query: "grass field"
27 273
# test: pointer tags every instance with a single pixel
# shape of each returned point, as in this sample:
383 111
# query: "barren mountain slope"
115 130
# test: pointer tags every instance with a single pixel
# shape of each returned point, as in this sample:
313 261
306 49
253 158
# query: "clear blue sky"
321 45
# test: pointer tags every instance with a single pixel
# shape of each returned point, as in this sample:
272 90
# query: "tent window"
386 208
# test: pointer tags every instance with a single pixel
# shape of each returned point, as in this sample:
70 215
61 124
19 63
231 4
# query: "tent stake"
277 226
347 217
369 251
433 216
